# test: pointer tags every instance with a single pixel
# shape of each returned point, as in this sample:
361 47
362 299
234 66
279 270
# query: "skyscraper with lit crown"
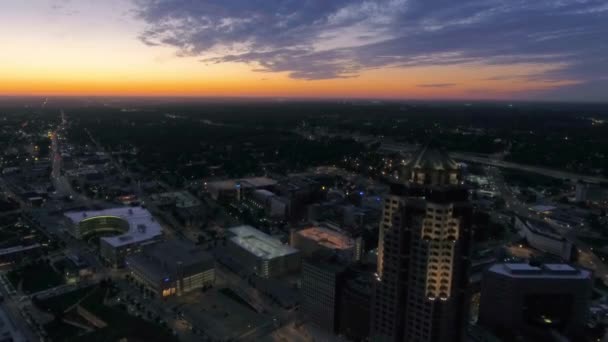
423 253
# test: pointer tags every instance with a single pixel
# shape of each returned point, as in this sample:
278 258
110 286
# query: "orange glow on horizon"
102 60
467 81
94 48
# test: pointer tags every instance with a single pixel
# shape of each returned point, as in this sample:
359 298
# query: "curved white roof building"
132 224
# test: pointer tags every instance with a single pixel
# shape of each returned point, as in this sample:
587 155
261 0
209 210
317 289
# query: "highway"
60 182
586 257
18 305
487 160
528 168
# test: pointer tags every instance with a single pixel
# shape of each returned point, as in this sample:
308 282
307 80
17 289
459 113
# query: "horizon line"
300 98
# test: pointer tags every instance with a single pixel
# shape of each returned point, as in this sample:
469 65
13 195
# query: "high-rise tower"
423 253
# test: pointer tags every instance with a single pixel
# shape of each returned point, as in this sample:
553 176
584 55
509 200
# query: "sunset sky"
410 49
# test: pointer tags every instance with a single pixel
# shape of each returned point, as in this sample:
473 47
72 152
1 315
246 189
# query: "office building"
261 254
591 193
179 199
423 253
267 203
184 206
322 280
315 239
121 231
234 189
522 300
298 191
172 268
581 191
17 253
355 304
336 295
544 237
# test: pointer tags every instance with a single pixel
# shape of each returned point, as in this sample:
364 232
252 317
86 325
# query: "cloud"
318 39
595 90
436 85
63 7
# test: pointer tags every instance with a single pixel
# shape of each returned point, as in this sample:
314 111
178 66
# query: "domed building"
432 165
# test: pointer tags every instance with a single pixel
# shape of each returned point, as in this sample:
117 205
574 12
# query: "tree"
500 203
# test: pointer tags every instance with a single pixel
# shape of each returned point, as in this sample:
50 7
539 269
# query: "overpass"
486 160
528 168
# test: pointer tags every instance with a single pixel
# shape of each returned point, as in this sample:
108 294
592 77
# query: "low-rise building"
180 199
74 269
123 230
315 239
234 188
172 268
16 253
185 207
533 301
273 206
298 191
543 237
591 193
260 253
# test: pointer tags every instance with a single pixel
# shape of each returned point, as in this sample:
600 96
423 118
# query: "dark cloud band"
289 35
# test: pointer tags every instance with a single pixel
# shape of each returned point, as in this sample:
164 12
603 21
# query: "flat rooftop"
259 243
327 238
542 228
542 208
261 194
183 199
525 270
174 251
161 259
142 225
258 182
255 182
222 317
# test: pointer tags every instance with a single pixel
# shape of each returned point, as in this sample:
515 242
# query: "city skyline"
168 219
393 49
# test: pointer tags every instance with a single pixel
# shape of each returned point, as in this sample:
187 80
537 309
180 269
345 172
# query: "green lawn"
60 331
120 324
35 277
6 234
59 304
